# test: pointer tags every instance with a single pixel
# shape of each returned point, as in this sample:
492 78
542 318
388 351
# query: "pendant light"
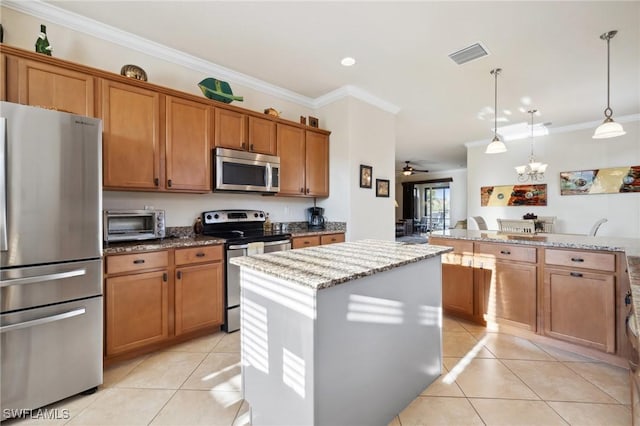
496 146
608 128
533 171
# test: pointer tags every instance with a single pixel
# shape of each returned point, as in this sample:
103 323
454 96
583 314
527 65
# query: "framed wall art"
365 176
611 180
514 195
382 188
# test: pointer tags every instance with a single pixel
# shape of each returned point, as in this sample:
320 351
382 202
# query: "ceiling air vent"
467 54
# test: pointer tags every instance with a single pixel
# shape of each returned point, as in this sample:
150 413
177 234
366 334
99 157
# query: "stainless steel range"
244 233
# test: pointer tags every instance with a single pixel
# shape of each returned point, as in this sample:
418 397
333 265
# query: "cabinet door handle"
576 274
307 190
251 147
179 274
244 145
307 242
156 181
505 252
169 183
138 261
165 277
200 254
333 240
302 190
577 259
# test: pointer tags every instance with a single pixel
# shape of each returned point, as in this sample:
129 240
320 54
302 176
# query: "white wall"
360 134
366 137
568 151
457 188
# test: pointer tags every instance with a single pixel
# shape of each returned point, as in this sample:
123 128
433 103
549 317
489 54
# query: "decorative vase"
42 42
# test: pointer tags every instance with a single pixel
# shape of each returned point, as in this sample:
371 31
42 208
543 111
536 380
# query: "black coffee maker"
315 218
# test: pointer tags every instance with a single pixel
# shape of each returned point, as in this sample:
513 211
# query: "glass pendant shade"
496 146
534 170
608 129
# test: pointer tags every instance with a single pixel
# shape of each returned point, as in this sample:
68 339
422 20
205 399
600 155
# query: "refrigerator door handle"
4 245
45 320
41 278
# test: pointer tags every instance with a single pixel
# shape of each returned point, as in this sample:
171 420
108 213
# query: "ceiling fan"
408 170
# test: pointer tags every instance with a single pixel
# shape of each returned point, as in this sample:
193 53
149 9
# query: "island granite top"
326 266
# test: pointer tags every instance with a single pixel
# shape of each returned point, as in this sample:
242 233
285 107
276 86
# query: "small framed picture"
365 176
382 187
313 121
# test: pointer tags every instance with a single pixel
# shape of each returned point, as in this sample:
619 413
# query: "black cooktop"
239 226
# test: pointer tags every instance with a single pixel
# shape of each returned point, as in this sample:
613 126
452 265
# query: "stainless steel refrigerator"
50 256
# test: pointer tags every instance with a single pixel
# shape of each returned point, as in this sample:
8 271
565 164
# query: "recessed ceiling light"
348 61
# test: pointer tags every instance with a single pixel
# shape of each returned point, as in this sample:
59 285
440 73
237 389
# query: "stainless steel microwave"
245 171
133 225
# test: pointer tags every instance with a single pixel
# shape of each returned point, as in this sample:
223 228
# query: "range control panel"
227 216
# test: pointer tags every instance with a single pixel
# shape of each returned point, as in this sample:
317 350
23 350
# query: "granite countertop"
631 246
326 266
161 244
187 241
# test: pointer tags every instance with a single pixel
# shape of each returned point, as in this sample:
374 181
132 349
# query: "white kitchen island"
343 334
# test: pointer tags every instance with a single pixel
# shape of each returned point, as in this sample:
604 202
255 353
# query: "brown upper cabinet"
131 137
160 139
40 84
187 145
304 162
137 156
245 132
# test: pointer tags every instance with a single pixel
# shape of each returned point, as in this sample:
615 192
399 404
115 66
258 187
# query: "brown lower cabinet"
136 309
155 298
316 240
579 307
576 296
508 292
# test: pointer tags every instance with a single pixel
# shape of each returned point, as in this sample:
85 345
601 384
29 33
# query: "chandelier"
533 171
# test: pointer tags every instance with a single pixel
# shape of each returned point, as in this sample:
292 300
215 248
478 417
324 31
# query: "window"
436 208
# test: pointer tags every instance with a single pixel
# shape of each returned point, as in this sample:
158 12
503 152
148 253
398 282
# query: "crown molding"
76 22
114 35
355 92
566 129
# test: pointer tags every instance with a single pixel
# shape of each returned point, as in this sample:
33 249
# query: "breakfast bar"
348 333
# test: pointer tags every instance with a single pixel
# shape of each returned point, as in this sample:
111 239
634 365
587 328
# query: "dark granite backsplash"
187 231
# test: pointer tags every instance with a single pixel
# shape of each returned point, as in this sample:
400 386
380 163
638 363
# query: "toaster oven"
133 225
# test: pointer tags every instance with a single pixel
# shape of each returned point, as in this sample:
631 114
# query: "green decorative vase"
42 43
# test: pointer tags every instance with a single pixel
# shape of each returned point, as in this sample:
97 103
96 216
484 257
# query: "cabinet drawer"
581 259
137 262
507 252
332 238
301 242
459 246
198 254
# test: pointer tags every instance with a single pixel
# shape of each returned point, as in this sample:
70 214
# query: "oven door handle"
267 244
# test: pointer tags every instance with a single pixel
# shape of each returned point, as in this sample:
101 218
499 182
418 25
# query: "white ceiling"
550 53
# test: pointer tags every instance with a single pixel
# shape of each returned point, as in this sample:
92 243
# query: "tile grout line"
567 364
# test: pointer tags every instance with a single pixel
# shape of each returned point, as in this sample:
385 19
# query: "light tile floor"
488 379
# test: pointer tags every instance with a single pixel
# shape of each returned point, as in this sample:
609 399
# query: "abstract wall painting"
612 180
513 195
